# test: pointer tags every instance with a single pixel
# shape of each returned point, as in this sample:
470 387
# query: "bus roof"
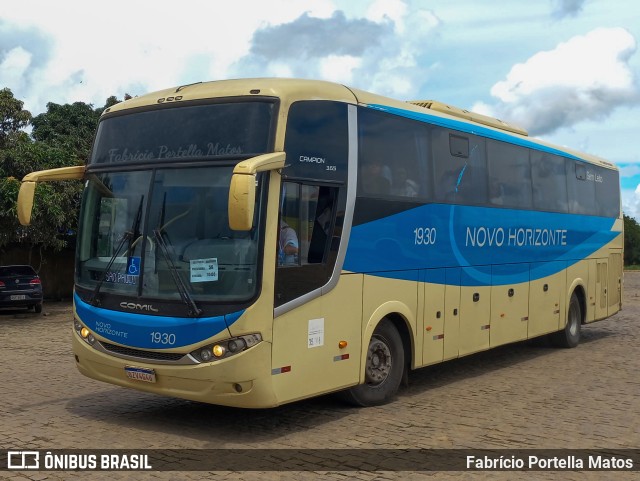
292 90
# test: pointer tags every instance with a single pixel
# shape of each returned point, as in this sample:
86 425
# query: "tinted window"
392 156
316 141
459 146
185 131
459 177
549 182
580 188
509 175
8 271
308 238
608 192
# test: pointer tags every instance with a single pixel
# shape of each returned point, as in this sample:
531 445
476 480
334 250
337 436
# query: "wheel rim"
379 362
573 321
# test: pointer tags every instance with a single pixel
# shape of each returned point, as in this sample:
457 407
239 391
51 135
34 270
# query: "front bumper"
243 380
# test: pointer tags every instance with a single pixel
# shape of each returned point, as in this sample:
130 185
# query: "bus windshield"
151 233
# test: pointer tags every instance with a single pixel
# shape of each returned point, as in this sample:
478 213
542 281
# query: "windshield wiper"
127 235
194 310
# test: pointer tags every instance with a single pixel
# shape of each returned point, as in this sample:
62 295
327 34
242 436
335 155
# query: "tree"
70 127
13 118
61 137
56 204
631 241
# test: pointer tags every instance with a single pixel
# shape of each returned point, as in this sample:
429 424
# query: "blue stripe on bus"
137 330
473 129
528 245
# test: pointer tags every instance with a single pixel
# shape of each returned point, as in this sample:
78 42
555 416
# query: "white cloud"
631 202
131 46
382 51
584 78
393 10
14 65
339 68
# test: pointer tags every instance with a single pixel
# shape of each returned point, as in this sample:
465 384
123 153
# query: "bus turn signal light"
342 344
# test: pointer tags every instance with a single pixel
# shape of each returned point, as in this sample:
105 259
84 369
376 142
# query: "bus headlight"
85 334
218 350
226 348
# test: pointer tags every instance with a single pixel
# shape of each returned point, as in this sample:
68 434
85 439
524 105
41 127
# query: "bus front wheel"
570 335
383 369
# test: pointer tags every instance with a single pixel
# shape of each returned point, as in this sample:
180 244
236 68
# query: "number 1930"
424 236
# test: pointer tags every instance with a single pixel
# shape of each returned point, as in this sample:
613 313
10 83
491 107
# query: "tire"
570 336
383 369
38 308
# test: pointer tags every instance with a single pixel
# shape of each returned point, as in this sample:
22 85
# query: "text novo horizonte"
515 237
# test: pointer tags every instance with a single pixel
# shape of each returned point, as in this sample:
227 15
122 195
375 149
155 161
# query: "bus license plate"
21 297
140 374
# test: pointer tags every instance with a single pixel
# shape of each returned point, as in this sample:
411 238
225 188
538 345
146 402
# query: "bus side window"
391 156
310 226
509 175
306 224
581 189
459 168
549 182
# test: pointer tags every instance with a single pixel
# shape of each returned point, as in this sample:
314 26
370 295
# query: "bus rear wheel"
383 369
570 335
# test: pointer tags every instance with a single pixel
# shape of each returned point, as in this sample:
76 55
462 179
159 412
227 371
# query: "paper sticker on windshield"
204 270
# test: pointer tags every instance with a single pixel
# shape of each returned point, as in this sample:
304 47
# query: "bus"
255 242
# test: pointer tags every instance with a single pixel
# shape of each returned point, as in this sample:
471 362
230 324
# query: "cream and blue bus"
255 242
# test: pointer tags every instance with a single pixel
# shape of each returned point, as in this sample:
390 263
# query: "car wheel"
38 308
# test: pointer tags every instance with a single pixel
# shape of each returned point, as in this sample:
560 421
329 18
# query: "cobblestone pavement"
518 396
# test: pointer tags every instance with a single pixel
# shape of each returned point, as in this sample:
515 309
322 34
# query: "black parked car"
20 286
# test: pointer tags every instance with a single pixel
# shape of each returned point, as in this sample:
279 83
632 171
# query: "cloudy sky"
567 70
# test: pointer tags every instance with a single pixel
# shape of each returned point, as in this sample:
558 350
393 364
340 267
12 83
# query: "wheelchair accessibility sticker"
133 266
131 275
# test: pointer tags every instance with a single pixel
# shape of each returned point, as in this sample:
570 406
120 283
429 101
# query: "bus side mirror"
25 202
242 198
28 187
242 191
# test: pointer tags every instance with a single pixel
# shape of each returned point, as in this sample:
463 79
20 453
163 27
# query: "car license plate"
20 297
140 374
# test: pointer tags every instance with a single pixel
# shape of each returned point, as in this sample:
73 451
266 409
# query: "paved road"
520 396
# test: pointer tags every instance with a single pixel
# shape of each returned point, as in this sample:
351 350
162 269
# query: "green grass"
634 267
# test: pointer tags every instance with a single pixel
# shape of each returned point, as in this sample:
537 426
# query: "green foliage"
70 127
56 204
13 117
631 241
61 137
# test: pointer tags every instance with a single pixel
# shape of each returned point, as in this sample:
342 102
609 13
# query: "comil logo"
138 307
23 460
